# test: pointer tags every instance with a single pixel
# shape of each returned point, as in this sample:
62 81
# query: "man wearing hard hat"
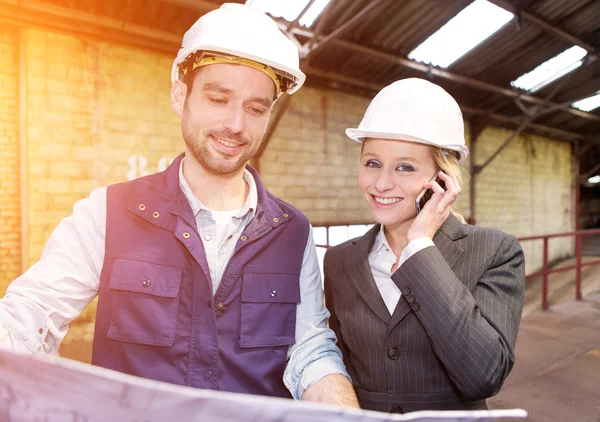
204 278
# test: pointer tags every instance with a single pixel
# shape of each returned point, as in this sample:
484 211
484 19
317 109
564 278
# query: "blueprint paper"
44 388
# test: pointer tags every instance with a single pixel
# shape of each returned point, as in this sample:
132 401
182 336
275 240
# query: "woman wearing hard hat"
426 308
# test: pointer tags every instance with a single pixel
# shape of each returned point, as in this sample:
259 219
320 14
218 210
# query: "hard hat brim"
299 75
359 136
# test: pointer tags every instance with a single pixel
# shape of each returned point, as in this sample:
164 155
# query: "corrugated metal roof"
398 27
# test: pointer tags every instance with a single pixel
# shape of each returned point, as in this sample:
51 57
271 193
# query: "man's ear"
178 96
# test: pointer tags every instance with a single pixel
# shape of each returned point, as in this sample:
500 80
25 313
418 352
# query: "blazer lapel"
445 241
359 272
402 309
446 237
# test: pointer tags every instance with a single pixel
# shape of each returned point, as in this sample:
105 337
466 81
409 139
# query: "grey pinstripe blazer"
450 341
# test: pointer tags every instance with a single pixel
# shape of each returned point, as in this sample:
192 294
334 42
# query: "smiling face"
392 174
224 114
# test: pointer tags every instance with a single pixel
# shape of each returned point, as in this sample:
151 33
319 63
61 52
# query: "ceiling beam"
444 74
544 25
197 5
513 121
41 14
302 13
320 44
474 83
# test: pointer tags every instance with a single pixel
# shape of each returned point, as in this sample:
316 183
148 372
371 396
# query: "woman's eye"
217 100
405 167
372 164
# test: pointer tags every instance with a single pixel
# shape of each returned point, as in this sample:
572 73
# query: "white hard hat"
241 31
414 110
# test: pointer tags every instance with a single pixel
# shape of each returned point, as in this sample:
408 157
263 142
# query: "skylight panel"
589 103
470 27
551 70
291 9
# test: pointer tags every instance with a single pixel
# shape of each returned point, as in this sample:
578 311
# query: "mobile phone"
426 194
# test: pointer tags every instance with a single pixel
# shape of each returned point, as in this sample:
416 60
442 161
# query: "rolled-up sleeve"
315 354
39 305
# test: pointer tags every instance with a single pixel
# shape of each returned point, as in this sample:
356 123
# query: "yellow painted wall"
10 214
527 191
91 106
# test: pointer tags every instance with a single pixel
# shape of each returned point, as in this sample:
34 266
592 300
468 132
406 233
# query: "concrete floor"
557 371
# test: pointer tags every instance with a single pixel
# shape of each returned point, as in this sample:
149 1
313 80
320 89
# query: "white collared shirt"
220 230
381 260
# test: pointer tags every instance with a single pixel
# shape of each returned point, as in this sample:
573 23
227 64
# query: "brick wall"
10 243
92 106
311 163
527 190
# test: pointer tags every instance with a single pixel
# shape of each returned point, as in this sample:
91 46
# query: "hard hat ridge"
414 110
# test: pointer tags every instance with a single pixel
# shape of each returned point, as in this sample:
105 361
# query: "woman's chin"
387 218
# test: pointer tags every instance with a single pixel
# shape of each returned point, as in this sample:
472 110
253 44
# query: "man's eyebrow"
216 87
262 101
211 86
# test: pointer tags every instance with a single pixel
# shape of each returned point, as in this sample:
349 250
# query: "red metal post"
578 270
545 276
577 224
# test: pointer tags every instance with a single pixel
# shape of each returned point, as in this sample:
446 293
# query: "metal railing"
545 271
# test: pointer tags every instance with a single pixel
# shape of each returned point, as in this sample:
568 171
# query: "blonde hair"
447 161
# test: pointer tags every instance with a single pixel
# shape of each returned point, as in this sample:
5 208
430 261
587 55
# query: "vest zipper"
231 257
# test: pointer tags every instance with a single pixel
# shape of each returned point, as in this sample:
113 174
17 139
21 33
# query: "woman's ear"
178 96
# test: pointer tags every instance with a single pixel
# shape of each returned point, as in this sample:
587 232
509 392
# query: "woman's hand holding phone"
435 210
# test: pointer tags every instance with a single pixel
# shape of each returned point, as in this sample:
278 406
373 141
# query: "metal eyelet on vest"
146 283
285 215
243 238
186 235
155 214
276 220
141 207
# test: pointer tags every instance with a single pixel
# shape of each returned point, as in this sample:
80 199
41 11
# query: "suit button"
208 375
393 353
415 306
410 299
406 291
397 409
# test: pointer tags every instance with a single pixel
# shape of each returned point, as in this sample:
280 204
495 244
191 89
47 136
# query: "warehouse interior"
84 103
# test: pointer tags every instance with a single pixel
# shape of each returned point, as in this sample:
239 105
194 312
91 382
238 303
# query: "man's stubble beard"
212 161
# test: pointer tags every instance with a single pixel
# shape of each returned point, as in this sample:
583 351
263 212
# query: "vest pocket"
144 302
268 316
